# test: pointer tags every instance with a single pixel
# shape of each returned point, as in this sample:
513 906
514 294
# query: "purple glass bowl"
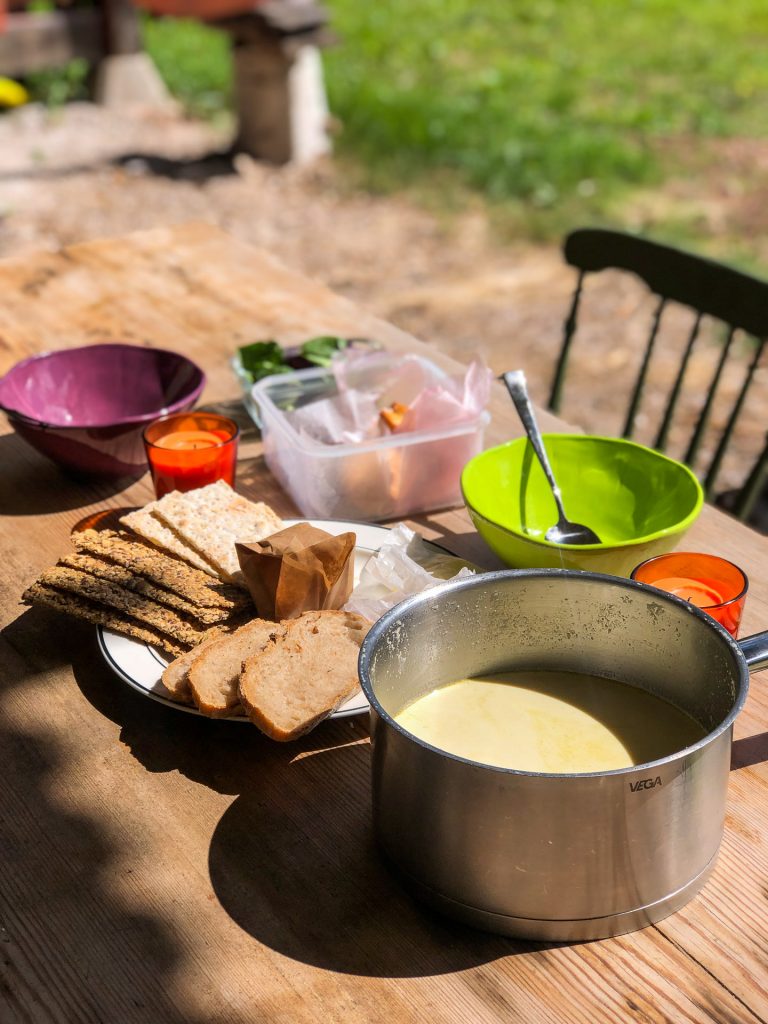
86 408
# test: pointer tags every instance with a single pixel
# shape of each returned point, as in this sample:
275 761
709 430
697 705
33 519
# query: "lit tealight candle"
189 440
698 592
713 584
189 450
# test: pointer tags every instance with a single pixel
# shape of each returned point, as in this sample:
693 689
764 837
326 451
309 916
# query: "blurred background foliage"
549 110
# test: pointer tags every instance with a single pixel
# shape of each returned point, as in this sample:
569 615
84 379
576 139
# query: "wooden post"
279 89
122 30
126 77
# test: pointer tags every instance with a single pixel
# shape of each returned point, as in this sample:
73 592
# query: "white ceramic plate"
141 666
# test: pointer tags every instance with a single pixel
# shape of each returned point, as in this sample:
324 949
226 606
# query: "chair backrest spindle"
703 420
711 289
750 492
674 395
714 466
637 393
568 332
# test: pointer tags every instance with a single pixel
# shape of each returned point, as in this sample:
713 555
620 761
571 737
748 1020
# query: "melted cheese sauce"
555 722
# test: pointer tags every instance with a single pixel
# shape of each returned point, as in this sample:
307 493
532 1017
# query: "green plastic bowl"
638 501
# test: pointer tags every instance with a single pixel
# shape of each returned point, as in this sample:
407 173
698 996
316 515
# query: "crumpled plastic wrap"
403 566
453 400
371 381
346 418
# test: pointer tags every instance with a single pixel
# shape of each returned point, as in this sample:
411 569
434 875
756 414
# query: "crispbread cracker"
80 608
147 525
99 591
124 578
211 519
138 556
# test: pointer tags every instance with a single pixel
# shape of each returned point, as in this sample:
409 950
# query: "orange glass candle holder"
191 449
713 584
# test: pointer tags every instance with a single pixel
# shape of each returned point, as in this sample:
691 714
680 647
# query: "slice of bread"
213 674
175 677
302 676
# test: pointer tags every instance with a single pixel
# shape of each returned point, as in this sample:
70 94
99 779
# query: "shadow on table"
294 864
749 750
33 485
292 860
66 919
467 544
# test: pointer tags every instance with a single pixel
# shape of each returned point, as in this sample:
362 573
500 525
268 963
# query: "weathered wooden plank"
155 866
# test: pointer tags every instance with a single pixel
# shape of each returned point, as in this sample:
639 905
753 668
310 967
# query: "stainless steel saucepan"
553 857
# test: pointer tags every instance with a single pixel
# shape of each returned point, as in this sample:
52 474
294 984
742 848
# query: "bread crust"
214 672
303 675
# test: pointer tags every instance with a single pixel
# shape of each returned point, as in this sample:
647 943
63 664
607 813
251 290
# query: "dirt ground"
84 172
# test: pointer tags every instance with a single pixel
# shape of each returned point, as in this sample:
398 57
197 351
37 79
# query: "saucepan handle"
755 651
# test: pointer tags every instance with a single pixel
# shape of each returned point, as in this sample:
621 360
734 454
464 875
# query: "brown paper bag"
297 570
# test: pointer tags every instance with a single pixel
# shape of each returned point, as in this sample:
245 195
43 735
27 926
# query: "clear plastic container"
383 478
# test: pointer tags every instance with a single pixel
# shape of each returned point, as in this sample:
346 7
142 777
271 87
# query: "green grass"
195 62
550 109
545 100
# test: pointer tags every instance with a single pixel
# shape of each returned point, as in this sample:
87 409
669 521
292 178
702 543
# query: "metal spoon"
564 531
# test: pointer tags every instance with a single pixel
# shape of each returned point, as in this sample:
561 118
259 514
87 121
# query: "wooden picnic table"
159 868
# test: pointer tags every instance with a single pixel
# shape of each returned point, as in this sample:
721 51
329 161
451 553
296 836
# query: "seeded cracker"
213 518
81 608
102 592
138 556
123 577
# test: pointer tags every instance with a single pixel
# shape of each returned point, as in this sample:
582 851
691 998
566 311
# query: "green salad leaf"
262 358
321 350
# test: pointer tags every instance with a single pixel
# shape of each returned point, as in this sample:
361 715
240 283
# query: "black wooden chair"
709 289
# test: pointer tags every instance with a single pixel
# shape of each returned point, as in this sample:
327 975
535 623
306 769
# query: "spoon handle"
515 381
